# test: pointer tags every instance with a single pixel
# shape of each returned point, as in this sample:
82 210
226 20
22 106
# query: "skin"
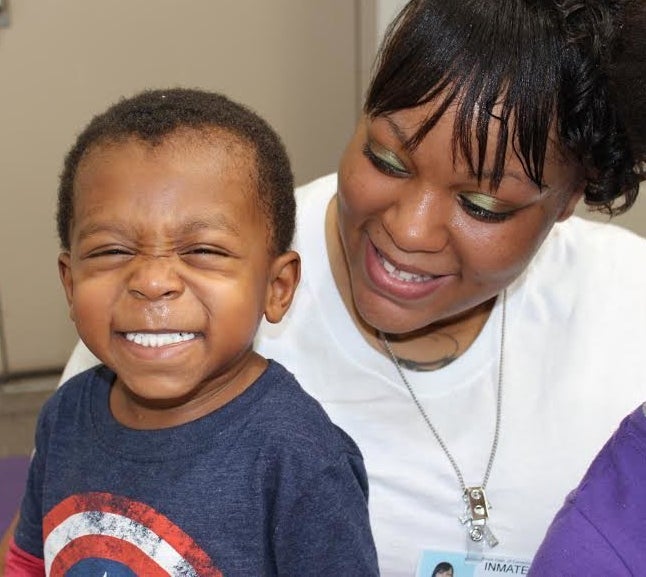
428 217
170 239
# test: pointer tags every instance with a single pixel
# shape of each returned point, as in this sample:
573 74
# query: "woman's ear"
285 275
572 201
65 274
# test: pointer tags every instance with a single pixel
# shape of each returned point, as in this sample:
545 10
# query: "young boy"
185 453
599 531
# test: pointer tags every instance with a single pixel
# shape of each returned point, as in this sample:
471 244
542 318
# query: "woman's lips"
400 274
398 283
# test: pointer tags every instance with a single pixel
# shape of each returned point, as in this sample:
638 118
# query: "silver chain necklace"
477 507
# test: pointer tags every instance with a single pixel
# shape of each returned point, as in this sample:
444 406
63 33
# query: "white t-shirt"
575 333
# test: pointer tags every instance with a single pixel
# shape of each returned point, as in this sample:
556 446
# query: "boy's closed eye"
206 256
110 251
208 250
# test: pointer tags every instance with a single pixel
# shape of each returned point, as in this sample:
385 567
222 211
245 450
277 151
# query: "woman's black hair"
576 66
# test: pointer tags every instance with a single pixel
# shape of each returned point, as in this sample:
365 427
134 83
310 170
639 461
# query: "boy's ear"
65 273
285 275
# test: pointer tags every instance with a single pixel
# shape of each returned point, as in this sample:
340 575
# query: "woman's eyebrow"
486 173
398 132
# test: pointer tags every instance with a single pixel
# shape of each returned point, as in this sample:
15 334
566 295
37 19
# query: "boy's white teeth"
394 272
158 339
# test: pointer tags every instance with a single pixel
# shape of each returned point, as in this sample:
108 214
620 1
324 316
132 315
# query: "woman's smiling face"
423 240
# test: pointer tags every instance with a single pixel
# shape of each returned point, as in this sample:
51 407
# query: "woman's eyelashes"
480 206
384 160
483 207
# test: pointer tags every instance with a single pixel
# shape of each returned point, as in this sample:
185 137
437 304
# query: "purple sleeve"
600 529
573 547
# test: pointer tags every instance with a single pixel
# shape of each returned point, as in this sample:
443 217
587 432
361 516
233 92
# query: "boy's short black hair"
153 115
576 65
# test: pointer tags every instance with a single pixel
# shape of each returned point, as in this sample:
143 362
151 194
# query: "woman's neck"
429 348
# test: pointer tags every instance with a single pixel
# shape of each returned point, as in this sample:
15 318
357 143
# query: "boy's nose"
155 278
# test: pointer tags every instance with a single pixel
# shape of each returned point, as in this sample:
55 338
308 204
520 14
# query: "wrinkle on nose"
420 223
155 278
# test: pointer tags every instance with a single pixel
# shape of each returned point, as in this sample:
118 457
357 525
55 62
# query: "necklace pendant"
476 516
489 537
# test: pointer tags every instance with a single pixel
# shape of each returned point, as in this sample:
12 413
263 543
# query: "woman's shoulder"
596 249
586 270
314 195
322 185
312 200
580 234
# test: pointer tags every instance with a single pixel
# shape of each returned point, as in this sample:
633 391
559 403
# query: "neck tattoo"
476 512
424 366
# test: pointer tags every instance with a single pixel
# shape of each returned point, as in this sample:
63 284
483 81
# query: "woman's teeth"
158 339
394 272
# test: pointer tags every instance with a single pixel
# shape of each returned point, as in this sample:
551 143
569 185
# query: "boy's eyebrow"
214 222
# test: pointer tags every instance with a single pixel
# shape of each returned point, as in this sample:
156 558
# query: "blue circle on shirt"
93 567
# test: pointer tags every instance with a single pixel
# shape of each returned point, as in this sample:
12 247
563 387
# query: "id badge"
451 564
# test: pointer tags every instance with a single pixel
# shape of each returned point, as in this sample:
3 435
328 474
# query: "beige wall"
386 10
296 62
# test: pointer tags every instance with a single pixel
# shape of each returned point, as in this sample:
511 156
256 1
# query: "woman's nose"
420 222
155 278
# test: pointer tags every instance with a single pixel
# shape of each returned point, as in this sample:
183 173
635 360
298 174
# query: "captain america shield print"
104 535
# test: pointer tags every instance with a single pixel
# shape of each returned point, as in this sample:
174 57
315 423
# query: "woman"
477 343
443 569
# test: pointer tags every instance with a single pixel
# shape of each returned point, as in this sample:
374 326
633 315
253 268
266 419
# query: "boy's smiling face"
171 270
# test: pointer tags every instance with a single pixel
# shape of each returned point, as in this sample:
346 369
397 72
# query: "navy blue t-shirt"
266 485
